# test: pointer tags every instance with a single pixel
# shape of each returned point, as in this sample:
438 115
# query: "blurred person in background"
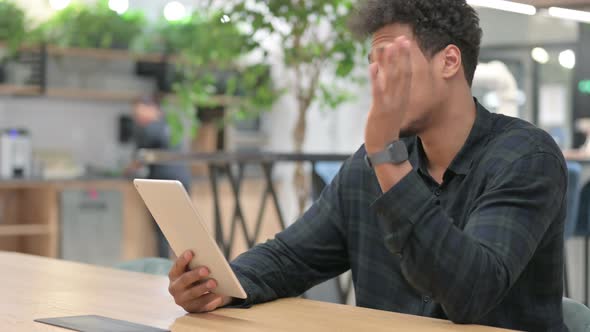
152 132
447 211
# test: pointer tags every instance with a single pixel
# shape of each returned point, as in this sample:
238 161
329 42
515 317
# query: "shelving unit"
41 89
27 229
38 55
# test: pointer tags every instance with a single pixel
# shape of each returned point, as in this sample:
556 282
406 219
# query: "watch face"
398 152
395 153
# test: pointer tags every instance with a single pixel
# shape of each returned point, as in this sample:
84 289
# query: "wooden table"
33 287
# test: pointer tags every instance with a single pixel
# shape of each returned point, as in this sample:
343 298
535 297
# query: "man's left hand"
391 78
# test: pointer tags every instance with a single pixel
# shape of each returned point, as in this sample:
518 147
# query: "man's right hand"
192 289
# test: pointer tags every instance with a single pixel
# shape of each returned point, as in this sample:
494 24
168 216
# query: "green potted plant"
12 31
96 26
208 50
12 24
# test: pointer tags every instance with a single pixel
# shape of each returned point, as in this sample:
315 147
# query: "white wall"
88 130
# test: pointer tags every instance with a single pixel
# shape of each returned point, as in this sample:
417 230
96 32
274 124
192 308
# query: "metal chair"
576 316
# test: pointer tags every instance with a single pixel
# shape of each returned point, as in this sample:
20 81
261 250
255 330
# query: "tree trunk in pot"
300 179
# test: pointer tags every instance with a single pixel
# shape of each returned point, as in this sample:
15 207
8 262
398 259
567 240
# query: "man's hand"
391 78
192 289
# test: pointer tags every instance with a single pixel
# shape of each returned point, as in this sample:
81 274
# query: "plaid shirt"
485 247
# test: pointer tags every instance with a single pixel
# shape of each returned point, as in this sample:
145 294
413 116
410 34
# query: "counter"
30 215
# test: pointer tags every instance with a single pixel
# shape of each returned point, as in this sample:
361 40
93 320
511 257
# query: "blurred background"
252 105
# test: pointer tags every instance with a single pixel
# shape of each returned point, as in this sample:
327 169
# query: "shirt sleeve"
470 271
310 251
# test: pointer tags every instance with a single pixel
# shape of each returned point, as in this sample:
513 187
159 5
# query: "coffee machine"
16 153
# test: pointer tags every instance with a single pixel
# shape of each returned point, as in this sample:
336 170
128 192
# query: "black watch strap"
395 153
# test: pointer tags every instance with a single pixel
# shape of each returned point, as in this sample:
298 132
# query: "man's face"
145 114
424 95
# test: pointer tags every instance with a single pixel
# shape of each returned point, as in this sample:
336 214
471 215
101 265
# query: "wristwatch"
396 153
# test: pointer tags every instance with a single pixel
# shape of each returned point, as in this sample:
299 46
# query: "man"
468 227
151 132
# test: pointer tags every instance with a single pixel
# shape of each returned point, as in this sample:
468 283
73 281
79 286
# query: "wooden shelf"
24 230
95 94
97 53
85 94
105 54
89 94
20 90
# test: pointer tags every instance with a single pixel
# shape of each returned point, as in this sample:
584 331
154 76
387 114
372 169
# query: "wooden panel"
10 202
20 90
83 94
40 206
116 96
10 243
103 54
139 238
12 230
34 287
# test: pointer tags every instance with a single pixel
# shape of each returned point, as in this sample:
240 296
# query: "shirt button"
437 192
426 299
399 255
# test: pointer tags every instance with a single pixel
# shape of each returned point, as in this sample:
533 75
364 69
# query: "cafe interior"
223 100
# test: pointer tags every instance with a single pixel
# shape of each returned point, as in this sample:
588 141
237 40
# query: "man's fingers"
180 265
191 294
395 62
205 303
406 70
375 84
380 56
214 303
187 280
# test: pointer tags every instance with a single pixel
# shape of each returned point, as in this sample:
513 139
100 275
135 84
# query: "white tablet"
184 229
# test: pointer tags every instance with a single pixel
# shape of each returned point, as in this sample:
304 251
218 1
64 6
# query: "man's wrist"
388 175
376 148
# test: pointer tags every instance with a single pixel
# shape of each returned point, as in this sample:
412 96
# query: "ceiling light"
119 6
59 4
174 11
540 55
509 6
567 59
570 14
